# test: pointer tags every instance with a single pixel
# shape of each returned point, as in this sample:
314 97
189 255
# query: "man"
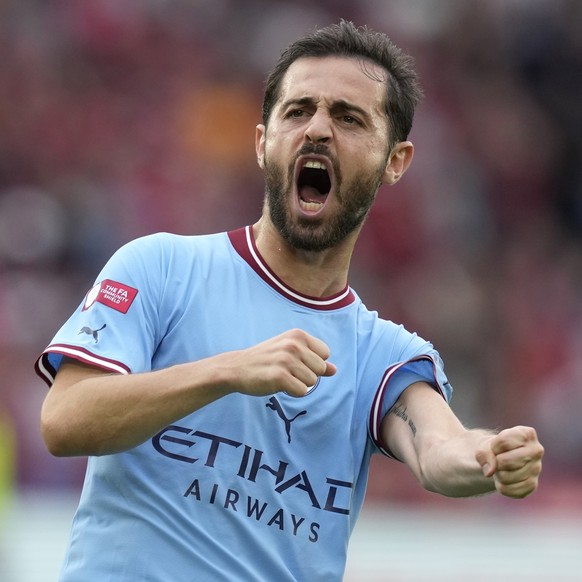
230 389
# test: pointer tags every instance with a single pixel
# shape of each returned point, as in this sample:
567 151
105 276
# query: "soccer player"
230 389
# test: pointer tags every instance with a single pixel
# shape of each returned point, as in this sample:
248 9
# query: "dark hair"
403 90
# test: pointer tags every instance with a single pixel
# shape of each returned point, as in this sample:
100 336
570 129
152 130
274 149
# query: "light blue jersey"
247 488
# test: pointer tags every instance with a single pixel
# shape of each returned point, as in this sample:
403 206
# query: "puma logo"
273 404
93 332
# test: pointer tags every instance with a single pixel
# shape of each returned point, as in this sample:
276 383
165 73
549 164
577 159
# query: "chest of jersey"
308 449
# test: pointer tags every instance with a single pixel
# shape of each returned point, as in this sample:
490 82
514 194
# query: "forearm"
422 431
105 413
88 412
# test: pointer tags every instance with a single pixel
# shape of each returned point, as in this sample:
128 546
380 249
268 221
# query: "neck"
317 274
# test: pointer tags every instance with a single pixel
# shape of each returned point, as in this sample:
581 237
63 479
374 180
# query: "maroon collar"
243 242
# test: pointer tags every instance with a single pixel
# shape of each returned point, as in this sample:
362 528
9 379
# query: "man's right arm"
91 412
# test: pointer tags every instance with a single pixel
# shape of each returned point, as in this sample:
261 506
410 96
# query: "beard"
354 198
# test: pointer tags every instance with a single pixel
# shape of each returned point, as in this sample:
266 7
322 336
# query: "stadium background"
118 119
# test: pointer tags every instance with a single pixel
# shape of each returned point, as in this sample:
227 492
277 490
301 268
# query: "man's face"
325 151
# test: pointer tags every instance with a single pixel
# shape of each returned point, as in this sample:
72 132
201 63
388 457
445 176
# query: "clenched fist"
290 362
514 459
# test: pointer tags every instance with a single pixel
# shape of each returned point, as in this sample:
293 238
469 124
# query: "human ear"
260 145
398 162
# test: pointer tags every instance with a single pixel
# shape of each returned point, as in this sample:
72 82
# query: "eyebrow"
338 105
300 101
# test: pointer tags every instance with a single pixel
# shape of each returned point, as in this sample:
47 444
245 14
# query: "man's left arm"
422 431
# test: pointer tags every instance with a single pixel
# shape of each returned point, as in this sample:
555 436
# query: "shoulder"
168 240
390 339
154 258
167 246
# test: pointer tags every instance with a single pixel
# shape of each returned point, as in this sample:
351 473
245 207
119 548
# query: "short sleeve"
427 368
115 325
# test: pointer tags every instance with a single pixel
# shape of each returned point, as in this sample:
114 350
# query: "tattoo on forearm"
400 411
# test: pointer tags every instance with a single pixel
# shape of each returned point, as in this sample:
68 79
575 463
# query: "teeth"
315 164
310 206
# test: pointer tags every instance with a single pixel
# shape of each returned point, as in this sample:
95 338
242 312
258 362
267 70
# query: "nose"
319 128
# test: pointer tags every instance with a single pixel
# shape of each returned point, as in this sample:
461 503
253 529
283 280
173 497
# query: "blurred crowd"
118 119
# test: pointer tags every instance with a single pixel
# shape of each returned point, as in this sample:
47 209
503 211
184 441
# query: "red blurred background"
119 119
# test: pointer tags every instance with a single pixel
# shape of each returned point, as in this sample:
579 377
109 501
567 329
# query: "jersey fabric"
247 488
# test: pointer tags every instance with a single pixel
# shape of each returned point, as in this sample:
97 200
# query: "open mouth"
313 185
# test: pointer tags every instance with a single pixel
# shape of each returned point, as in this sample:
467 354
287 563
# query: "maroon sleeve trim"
47 371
